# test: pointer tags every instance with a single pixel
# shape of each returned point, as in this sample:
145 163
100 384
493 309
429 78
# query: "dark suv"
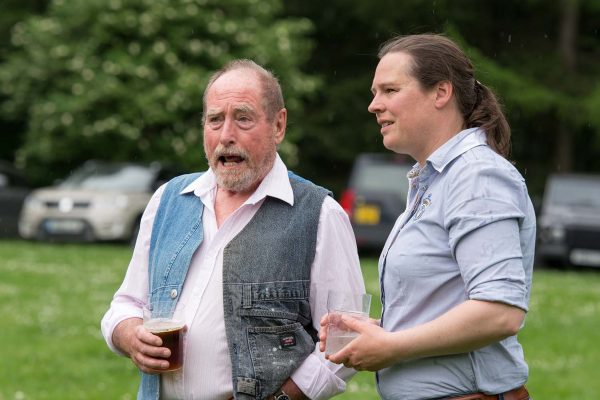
569 224
376 196
13 190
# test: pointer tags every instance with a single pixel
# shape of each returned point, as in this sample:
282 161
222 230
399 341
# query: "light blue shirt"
468 232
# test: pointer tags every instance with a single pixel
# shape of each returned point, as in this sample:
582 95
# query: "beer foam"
161 325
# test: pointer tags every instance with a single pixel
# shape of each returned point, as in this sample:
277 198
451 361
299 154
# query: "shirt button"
173 293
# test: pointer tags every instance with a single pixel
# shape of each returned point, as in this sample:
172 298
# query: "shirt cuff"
112 318
319 378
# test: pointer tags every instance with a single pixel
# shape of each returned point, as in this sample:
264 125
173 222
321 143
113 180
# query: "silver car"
99 201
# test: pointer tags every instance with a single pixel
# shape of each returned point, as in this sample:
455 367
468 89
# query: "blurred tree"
516 54
123 79
131 71
13 11
550 66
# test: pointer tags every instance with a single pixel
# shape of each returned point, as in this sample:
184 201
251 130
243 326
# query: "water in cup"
337 342
349 305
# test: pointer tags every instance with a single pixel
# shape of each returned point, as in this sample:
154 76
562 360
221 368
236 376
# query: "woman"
456 270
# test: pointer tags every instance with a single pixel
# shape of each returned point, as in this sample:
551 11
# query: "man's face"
403 109
239 142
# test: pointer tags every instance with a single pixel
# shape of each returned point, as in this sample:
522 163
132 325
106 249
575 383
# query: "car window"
128 178
575 192
9 177
383 177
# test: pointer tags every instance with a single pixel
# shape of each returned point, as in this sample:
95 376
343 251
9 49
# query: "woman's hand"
370 351
323 332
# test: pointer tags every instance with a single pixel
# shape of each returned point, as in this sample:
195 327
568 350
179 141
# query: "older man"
247 251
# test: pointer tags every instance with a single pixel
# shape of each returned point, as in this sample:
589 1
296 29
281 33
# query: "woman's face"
404 110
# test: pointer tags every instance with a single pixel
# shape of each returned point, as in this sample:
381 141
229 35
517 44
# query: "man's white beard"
246 176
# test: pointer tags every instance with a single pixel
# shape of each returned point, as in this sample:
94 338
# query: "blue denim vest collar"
172 246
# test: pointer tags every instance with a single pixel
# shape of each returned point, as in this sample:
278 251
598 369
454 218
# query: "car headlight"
557 233
34 203
553 233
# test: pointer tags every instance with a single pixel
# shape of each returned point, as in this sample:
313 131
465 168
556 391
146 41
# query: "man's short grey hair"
272 96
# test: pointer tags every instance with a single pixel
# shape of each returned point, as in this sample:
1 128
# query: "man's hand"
292 390
143 347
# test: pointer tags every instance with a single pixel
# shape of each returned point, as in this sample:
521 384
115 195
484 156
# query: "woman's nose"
375 106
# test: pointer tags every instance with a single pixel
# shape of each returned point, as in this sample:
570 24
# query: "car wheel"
41 235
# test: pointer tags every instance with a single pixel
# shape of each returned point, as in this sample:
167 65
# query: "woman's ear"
443 93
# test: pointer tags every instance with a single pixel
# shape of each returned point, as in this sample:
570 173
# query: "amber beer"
171 333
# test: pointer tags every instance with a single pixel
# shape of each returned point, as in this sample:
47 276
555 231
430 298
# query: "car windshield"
383 178
127 178
577 192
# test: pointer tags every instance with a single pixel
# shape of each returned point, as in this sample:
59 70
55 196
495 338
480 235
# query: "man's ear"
443 93
279 125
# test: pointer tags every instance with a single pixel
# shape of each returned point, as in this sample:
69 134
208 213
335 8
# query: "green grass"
51 301
52 298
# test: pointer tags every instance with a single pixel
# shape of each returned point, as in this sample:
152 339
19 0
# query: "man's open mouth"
231 160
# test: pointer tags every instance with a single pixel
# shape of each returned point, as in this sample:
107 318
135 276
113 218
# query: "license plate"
64 226
585 257
367 214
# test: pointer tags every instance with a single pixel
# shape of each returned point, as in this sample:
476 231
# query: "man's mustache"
229 151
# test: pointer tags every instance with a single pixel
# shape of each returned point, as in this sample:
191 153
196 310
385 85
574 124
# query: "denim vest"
266 281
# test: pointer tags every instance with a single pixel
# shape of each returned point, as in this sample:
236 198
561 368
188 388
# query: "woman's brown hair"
437 58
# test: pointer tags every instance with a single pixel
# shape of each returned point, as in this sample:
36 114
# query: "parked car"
569 223
376 196
100 201
13 190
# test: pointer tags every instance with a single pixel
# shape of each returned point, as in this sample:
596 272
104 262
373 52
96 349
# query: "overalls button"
173 293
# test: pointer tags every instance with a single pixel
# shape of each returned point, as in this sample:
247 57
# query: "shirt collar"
457 145
275 184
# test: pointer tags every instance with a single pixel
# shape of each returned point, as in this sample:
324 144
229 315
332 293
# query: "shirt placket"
412 200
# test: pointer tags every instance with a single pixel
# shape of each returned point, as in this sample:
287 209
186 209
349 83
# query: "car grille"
77 204
583 238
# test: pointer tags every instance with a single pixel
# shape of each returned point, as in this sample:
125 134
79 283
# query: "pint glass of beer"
164 321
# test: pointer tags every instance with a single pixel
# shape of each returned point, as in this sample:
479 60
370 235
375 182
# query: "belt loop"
247 295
